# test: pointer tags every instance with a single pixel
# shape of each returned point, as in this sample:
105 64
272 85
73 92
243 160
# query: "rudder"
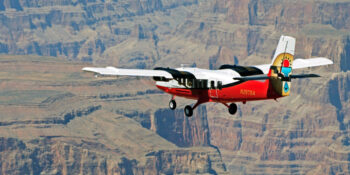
281 67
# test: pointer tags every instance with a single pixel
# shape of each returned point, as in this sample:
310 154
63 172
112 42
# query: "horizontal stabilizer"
300 63
256 77
311 62
304 76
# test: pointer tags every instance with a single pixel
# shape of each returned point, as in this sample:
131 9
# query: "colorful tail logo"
281 67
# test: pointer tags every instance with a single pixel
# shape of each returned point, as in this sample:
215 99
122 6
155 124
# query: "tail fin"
281 67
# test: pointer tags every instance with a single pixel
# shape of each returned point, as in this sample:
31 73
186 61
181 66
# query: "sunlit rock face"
181 130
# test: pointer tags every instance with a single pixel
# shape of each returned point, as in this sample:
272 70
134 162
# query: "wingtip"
329 61
85 68
88 69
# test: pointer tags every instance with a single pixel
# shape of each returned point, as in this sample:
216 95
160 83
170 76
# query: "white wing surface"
312 62
112 71
300 63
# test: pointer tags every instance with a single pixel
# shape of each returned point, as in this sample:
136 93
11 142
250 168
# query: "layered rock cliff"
180 130
55 121
49 156
126 33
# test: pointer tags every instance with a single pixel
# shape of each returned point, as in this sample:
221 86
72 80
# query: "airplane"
230 83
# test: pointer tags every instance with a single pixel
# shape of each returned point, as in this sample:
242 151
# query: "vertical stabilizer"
281 67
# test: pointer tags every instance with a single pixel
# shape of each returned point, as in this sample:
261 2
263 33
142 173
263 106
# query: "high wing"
112 71
246 73
300 63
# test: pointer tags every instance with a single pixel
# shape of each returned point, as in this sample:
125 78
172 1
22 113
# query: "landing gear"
232 109
188 111
172 104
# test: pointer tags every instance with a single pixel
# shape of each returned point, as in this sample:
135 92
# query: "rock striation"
180 130
60 124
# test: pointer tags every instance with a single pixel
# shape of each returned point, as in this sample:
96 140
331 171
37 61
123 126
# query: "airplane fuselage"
217 86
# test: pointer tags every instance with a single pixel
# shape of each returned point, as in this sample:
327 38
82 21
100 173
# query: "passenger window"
198 85
212 84
204 84
220 85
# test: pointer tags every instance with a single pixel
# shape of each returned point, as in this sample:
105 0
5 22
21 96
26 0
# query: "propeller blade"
304 76
257 77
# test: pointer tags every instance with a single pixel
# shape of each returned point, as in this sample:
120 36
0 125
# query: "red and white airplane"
229 84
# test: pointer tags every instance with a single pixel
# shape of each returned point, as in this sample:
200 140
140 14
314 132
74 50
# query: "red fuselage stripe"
245 91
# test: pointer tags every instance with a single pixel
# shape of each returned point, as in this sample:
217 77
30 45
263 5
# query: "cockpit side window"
190 83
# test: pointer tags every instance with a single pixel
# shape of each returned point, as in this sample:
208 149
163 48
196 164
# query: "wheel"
172 104
232 109
188 111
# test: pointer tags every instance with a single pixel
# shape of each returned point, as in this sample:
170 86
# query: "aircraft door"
213 90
